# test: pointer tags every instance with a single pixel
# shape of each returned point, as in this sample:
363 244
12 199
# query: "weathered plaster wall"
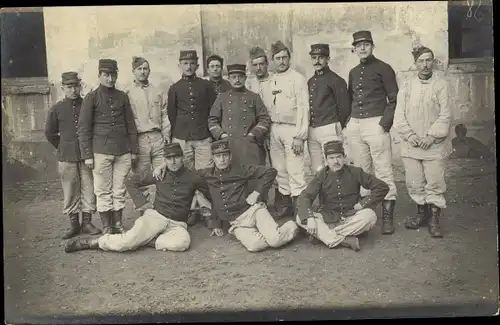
120 32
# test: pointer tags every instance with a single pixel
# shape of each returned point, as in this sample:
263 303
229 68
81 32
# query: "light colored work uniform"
424 109
290 118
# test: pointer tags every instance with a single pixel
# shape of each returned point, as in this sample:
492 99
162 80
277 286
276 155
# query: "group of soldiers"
204 144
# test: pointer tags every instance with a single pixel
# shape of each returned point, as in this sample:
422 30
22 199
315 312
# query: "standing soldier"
289 128
423 119
76 177
149 105
261 85
189 102
329 104
215 64
108 141
373 91
242 116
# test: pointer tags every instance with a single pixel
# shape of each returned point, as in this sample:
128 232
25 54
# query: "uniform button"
244 117
244 126
230 102
192 105
245 102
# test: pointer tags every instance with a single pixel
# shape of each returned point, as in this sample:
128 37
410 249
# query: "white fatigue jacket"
423 108
291 101
149 104
263 88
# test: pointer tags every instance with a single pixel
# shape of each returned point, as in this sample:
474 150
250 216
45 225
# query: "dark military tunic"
107 124
339 192
373 90
220 86
189 103
174 193
328 99
238 112
229 189
61 129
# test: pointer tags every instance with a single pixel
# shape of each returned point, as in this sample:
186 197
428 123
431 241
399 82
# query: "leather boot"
79 244
205 216
283 206
87 226
434 226
351 242
117 225
75 226
106 219
388 217
193 217
418 220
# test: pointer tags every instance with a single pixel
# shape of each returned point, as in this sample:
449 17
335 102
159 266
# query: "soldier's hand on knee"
89 163
217 232
358 206
312 226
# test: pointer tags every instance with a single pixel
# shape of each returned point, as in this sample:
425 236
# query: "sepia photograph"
249 162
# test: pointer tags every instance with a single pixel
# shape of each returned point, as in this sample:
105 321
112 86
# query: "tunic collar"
191 78
105 89
368 60
238 90
322 71
426 81
336 173
177 173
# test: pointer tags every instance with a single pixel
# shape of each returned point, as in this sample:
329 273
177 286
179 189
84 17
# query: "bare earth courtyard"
407 268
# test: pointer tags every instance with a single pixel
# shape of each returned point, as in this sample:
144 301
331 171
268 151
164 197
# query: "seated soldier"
342 214
468 147
163 227
249 219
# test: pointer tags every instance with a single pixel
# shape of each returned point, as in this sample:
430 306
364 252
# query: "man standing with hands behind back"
108 142
373 90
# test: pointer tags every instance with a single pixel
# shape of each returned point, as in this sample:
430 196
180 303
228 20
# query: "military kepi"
220 146
320 49
108 65
172 150
236 68
70 78
333 147
362 35
188 54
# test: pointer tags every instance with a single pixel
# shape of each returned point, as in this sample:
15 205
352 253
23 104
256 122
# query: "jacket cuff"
216 132
214 223
259 132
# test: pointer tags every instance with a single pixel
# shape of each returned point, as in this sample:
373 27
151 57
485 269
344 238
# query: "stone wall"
159 32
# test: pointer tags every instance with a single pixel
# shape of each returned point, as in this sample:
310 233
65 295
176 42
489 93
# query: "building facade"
460 34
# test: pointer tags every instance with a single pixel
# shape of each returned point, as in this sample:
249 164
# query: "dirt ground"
407 268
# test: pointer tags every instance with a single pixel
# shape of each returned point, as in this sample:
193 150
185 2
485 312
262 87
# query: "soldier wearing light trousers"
423 119
163 226
343 214
289 131
373 92
76 178
329 105
149 104
250 221
189 102
108 142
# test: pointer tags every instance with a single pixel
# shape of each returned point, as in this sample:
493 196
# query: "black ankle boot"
388 217
75 226
434 226
79 244
418 220
117 222
87 226
107 220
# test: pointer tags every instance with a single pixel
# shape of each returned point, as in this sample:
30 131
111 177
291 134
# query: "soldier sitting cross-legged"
164 226
251 223
342 214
